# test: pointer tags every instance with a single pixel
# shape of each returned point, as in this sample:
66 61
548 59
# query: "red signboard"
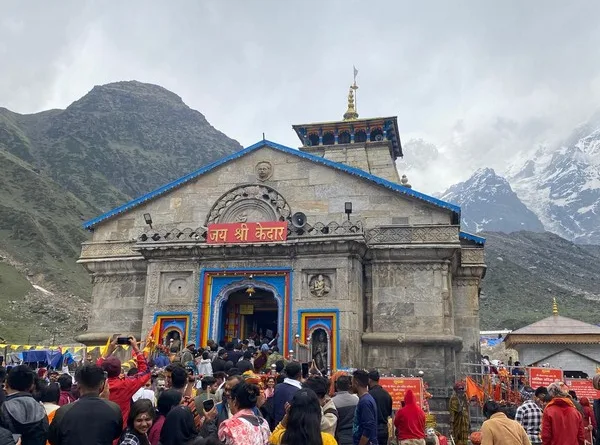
244 233
544 376
397 387
583 388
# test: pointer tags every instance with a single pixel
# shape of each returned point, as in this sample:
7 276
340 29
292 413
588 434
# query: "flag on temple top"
355 72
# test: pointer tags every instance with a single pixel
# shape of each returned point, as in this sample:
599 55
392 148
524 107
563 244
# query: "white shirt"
145 393
293 382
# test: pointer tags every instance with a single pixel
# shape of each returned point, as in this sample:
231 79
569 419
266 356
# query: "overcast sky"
482 80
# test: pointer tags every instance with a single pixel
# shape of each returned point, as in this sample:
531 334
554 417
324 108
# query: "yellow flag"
39 348
27 347
104 350
15 347
3 346
77 349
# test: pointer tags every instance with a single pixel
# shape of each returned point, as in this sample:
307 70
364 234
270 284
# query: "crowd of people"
242 394
550 415
202 397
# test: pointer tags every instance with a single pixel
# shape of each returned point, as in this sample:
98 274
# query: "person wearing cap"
562 424
529 415
122 389
187 355
460 422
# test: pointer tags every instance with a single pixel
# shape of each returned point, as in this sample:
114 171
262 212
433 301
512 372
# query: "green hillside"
61 167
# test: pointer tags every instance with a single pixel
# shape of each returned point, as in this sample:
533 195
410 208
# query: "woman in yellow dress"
302 422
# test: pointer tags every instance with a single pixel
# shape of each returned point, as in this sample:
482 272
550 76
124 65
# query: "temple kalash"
324 249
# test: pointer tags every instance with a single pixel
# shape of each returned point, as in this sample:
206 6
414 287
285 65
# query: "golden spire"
554 307
351 113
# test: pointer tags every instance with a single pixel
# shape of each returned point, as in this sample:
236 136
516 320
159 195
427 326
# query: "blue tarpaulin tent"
50 358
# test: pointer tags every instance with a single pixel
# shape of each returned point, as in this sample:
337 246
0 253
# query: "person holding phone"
123 389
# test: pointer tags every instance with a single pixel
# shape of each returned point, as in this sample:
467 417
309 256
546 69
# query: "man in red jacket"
410 421
562 424
123 388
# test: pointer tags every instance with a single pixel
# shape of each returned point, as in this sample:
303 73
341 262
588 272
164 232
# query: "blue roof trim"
317 159
476 239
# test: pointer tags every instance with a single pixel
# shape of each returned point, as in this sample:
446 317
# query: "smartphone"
122 340
304 370
16 437
208 404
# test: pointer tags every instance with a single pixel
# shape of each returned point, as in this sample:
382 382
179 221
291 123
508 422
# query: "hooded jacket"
410 420
562 424
21 414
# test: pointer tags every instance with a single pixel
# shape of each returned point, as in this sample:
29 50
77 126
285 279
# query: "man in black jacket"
91 419
384 406
20 413
220 363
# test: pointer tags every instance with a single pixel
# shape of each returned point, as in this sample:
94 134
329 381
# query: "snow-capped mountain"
562 186
489 204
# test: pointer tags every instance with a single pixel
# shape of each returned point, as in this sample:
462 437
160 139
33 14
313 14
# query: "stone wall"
316 190
571 357
118 295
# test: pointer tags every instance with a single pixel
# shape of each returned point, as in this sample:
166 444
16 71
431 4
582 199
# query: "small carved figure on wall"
320 285
264 170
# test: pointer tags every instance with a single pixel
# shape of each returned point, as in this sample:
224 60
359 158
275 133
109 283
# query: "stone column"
465 288
118 290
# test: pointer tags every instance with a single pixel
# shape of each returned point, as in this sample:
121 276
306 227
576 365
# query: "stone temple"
323 245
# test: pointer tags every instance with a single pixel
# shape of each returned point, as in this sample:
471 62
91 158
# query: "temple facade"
323 245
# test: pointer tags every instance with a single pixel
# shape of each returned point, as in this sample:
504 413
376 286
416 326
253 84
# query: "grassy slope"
526 270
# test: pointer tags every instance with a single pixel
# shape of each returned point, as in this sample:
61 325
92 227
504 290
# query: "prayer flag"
104 350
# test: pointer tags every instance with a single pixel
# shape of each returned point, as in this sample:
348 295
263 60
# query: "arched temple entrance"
249 313
247 308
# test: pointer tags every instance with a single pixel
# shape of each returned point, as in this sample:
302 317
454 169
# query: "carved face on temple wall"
264 170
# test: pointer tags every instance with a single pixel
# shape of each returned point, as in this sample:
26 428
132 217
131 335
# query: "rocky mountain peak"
127 96
489 203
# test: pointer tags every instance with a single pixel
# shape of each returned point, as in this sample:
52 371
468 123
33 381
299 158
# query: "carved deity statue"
319 350
319 286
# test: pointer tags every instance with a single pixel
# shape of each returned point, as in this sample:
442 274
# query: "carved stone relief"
320 285
264 170
249 203
175 287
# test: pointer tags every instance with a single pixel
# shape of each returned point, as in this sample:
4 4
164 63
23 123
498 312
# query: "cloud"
481 80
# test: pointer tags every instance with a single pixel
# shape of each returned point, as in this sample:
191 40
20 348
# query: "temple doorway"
250 312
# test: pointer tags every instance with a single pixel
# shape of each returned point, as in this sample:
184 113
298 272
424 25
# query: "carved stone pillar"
465 286
118 293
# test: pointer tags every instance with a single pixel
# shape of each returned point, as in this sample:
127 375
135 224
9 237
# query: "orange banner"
397 387
251 232
544 376
583 388
474 390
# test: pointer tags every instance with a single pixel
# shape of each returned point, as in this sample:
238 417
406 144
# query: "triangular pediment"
266 145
